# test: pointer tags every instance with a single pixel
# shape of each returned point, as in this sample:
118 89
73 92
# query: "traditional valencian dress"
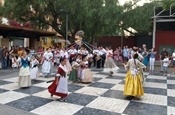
34 69
110 65
68 65
86 73
47 64
24 73
61 89
134 78
73 76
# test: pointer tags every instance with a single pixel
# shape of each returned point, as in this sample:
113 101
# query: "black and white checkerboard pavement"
103 97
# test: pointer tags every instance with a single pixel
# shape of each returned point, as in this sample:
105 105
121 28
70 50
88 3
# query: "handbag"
62 85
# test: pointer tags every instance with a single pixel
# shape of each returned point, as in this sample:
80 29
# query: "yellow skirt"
133 85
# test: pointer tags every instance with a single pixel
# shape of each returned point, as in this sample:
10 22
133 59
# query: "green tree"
139 17
166 4
91 16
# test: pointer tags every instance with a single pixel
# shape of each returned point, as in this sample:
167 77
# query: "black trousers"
99 63
94 60
103 57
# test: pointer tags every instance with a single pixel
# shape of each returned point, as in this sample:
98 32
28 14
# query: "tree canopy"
95 17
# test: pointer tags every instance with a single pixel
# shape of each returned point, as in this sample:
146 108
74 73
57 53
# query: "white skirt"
24 71
87 76
24 81
24 77
34 73
46 67
110 65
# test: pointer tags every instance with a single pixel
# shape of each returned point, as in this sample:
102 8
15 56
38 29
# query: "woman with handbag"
134 77
59 87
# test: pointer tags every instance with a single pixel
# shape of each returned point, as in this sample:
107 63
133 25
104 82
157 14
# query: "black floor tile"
91 111
102 85
136 108
29 103
80 99
30 90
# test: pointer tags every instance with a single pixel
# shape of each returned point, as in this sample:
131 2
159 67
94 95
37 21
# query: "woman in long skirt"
24 72
59 87
110 66
146 57
134 78
34 68
86 72
73 76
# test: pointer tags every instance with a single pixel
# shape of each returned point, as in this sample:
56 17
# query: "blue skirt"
145 61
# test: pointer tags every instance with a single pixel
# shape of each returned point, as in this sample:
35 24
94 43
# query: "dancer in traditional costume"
110 66
72 53
86 72
134 77
73 76
47 63
57 56
59 87
15 62
64 54
24 72
34 68
79 69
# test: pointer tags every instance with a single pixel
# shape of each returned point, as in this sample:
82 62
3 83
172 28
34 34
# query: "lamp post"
67 21
121 24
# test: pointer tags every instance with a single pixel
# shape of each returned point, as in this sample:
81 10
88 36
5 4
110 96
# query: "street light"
121 25
67 21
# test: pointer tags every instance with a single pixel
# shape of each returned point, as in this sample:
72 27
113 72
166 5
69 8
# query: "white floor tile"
11 86
57 108
14 79
110 81
109 104
43 84
119 87
170 81
157 77
11 96
155 85
171 110
91 91
153 99
171 92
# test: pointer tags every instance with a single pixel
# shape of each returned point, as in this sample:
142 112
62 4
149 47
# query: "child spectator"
165 65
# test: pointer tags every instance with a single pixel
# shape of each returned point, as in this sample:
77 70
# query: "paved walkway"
103 97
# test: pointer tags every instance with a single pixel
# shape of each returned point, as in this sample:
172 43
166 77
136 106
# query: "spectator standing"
4 57
173 56
0 57
152 59
162 56
165 65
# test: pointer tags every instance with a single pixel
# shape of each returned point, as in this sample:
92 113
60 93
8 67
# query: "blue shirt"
152 55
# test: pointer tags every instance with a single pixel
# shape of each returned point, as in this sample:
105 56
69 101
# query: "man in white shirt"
95 52
72 54
173 56
103 56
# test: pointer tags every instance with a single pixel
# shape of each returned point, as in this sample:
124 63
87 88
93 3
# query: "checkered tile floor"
103 97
